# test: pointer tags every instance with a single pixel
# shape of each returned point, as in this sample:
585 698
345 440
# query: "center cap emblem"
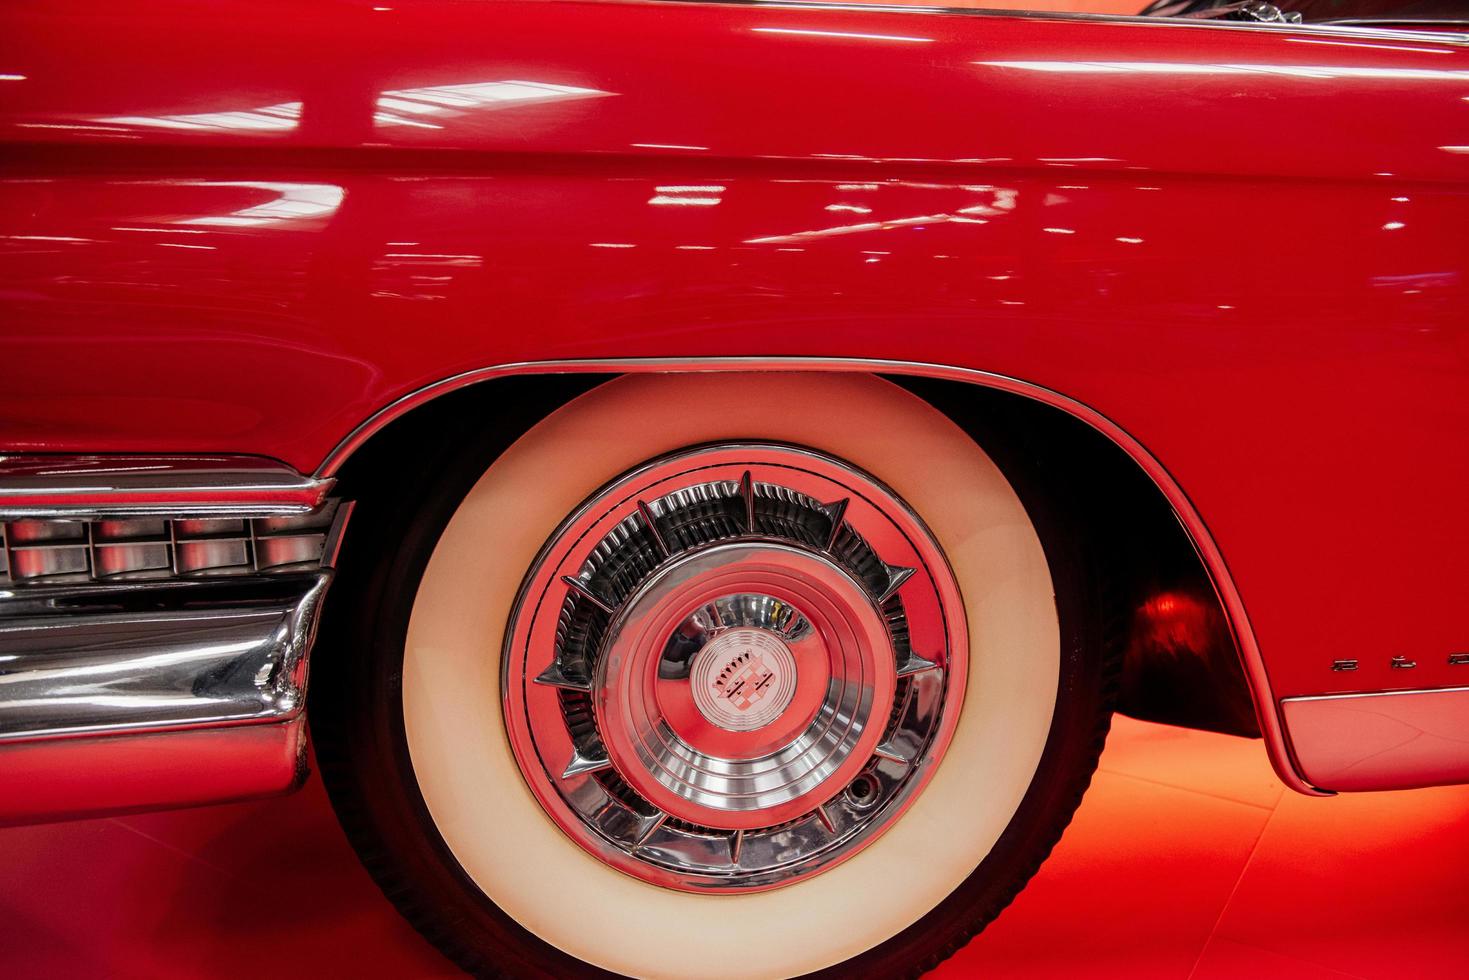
743 679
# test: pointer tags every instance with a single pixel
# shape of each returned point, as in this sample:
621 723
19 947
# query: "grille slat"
55 552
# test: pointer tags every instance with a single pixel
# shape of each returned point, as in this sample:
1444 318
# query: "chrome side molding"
91 487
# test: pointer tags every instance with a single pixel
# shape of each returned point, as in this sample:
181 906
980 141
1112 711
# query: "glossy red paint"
62 778
733 81
247 227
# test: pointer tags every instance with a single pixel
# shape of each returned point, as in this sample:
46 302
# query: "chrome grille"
46 552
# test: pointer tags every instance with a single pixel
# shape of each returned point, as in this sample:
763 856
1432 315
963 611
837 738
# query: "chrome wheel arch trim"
1267 709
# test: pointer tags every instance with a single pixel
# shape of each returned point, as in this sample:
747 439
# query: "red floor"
1186 860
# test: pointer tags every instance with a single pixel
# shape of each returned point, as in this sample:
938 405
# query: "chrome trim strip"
217 657
1267 711
89 487
1353 30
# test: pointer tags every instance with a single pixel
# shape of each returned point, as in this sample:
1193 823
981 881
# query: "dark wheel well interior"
1181 666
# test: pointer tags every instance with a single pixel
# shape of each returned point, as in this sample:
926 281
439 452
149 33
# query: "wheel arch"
1191 649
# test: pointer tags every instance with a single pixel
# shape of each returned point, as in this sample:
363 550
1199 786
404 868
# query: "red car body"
1240 252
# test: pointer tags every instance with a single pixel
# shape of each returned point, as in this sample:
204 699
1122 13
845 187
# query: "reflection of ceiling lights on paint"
868 227
270 118
687 195
417 106
864 226
293 202
844 35
402 107
1004 201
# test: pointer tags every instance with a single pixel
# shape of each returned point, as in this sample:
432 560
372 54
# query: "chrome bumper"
178 681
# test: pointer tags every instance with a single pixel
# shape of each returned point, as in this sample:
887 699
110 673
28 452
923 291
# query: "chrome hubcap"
734 666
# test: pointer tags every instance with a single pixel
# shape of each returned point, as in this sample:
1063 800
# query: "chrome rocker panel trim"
1381 739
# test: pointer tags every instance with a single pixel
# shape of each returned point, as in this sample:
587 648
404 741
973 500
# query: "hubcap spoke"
835 511
747 491
582 589
652 525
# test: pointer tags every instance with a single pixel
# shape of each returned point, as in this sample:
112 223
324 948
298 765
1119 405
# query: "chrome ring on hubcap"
734 666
